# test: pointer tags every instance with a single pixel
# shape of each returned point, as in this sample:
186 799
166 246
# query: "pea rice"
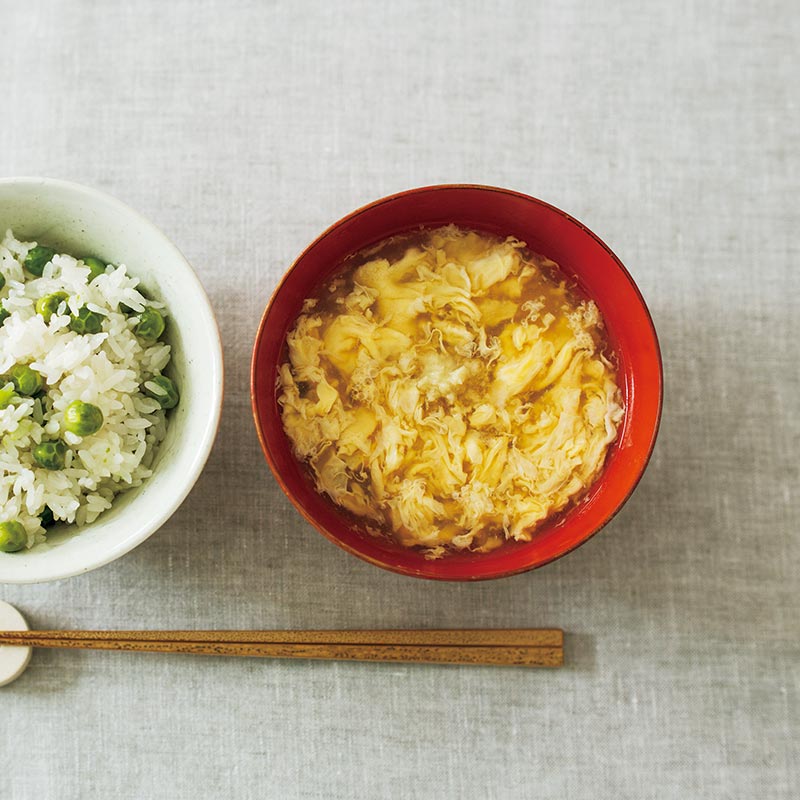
110 369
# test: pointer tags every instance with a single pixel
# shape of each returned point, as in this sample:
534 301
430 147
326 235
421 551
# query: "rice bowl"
79 220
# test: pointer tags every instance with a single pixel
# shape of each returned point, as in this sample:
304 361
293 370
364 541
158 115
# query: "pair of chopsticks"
517 647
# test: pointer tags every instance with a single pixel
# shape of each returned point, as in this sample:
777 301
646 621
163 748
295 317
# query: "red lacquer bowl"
547 230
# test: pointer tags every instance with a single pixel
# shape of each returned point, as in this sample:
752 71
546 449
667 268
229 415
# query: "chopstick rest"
13 658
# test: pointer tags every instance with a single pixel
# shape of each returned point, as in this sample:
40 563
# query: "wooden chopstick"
510 647
527 637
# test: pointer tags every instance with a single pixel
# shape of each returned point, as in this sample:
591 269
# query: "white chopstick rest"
13 660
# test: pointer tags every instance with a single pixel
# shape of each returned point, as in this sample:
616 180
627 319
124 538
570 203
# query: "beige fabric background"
243 129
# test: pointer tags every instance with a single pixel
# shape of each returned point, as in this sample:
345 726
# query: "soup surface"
449 387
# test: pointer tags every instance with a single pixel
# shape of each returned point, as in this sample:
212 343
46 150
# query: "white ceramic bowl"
82 221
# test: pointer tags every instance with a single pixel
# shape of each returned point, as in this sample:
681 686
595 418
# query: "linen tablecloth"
243 129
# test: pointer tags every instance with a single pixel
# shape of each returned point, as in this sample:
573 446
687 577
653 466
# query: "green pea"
161 388
48 305
7 394
151 325
96 267
50 455
13 536
46 518
37 259
82 419
86 321
4 315
26 381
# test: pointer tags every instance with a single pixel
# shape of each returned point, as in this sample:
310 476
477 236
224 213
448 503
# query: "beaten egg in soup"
449 388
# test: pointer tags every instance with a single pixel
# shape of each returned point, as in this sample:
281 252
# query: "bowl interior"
547 230
82 222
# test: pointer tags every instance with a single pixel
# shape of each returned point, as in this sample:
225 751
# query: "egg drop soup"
451 390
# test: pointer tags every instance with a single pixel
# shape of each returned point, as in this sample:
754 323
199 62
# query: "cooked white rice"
107 369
